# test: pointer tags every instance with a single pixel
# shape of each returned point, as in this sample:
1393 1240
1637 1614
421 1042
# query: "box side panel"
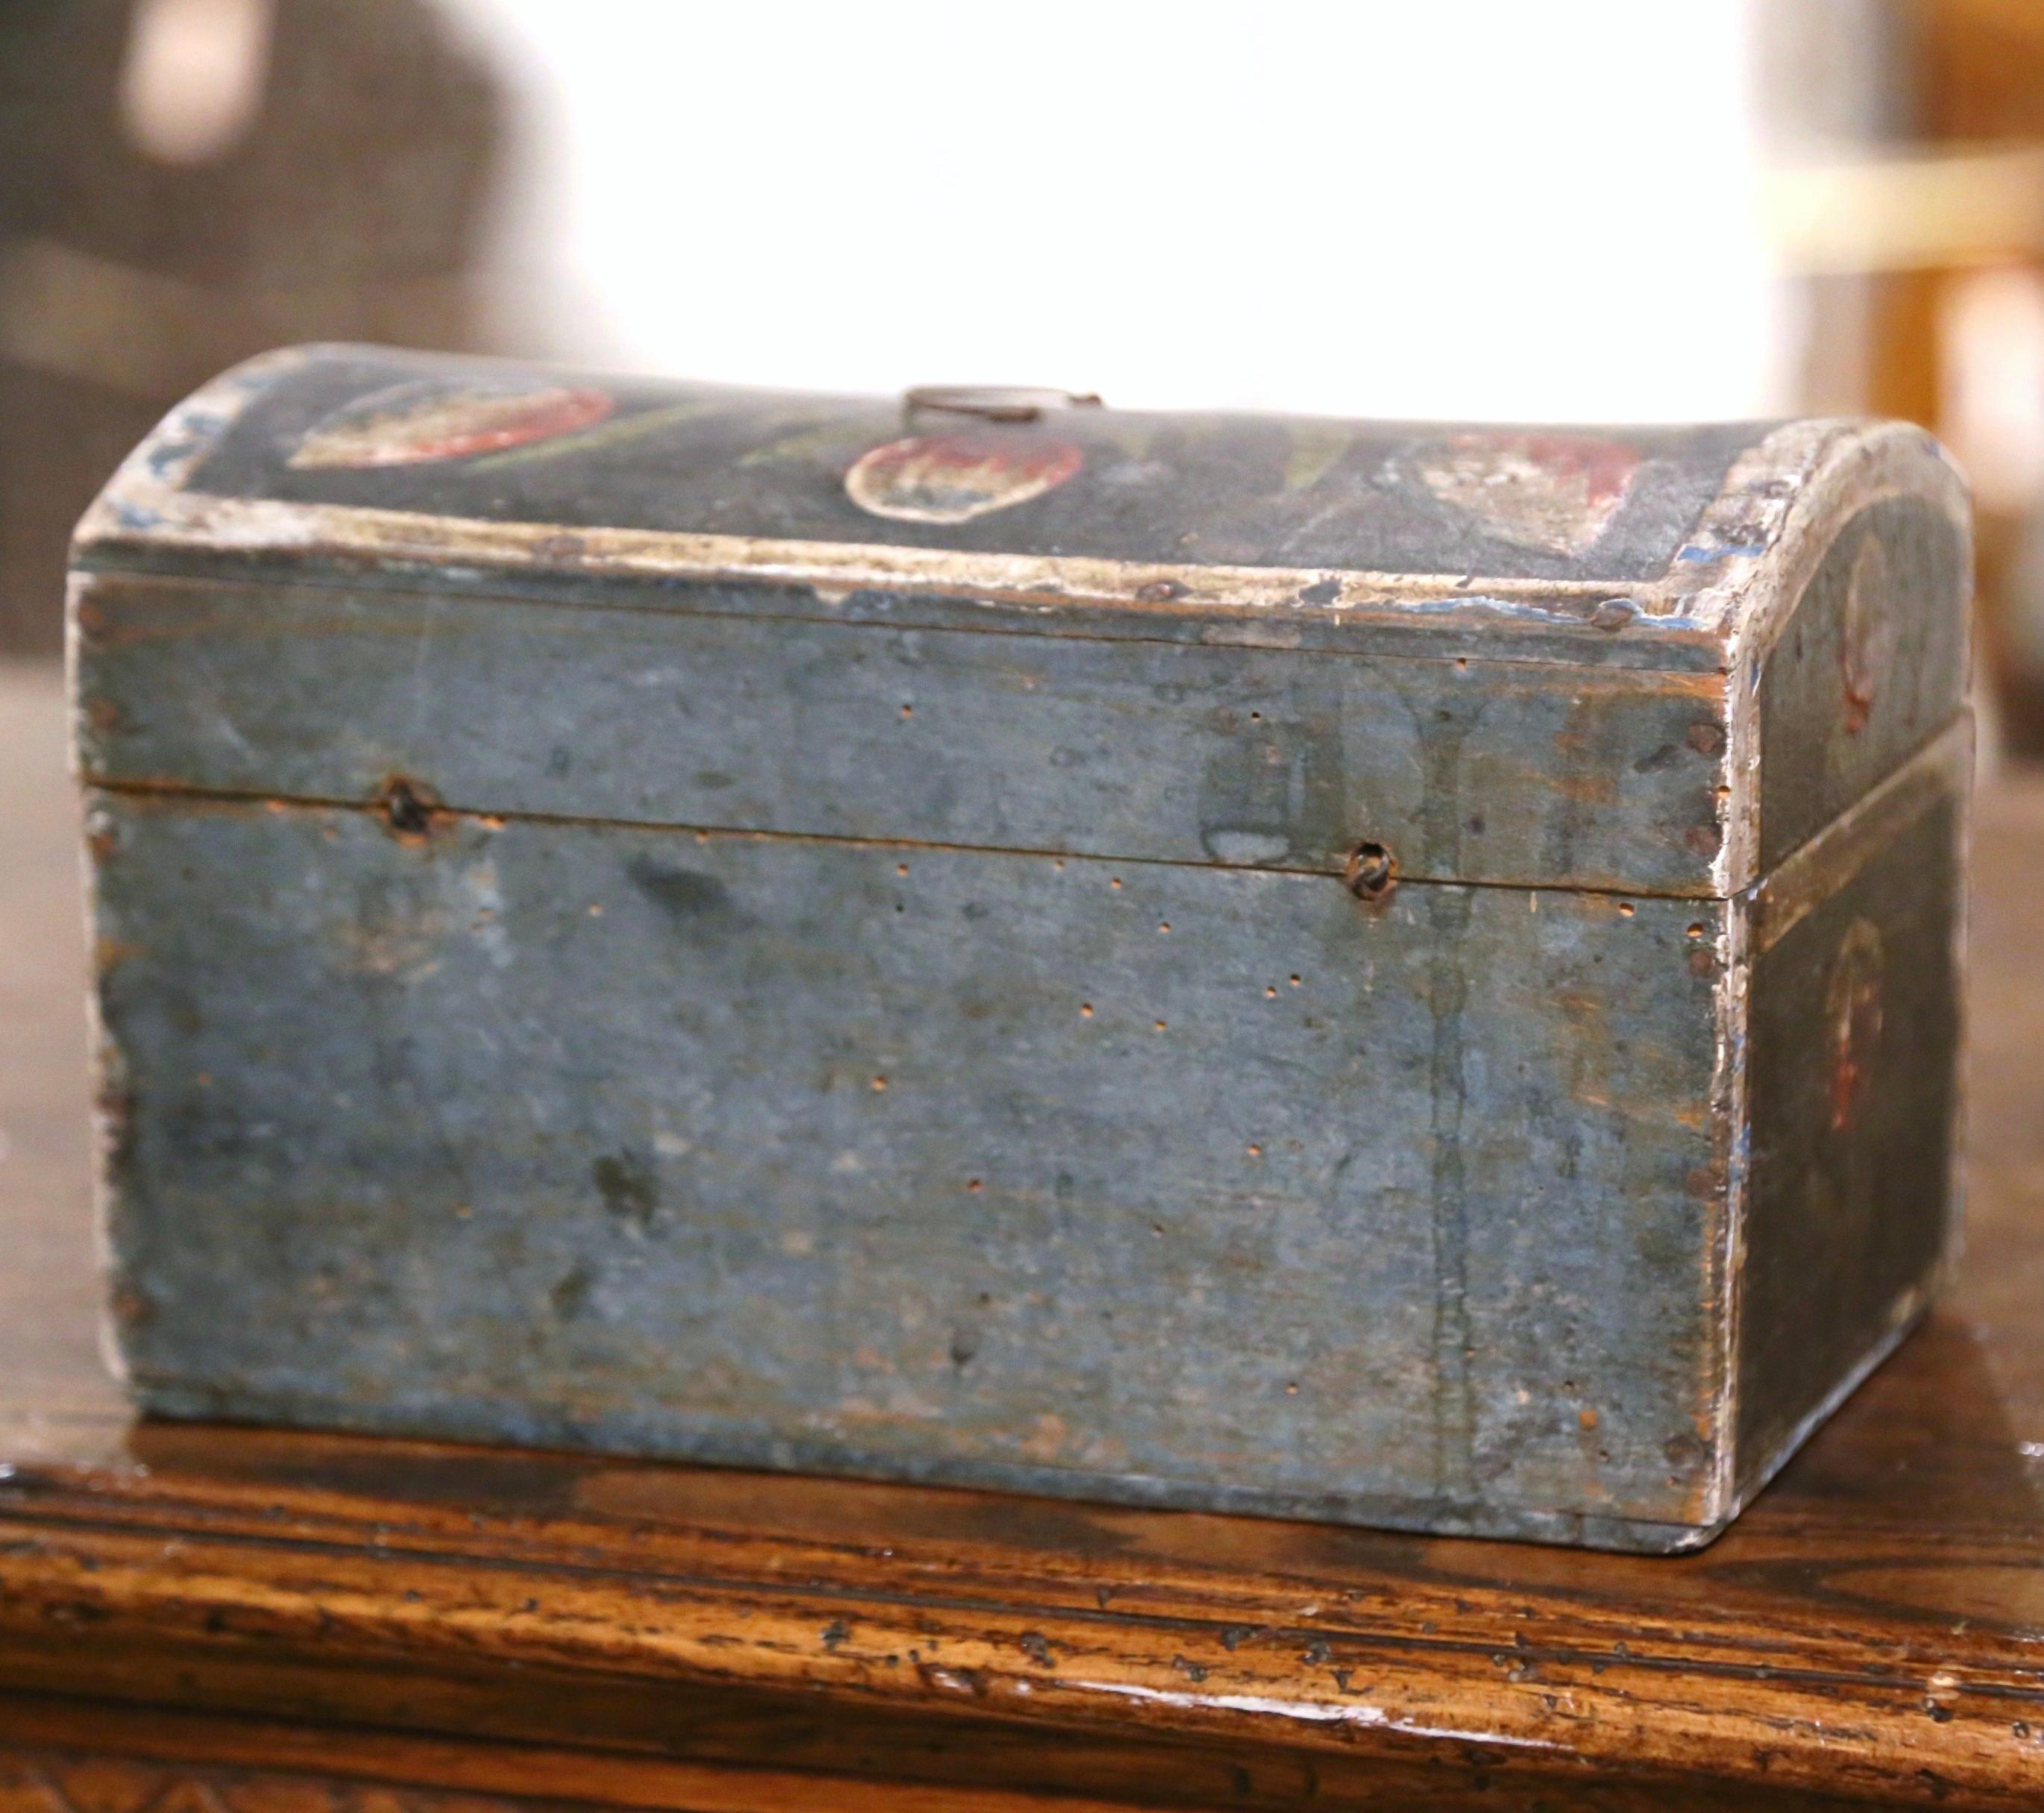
1870 665
1853 1048
1512 772
1185 1185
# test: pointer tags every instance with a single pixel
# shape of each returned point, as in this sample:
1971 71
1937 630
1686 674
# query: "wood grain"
1871 1631
89 1759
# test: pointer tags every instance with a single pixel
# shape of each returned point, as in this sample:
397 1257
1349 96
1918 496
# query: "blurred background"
1595 210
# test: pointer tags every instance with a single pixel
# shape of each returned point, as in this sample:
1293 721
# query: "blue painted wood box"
1391 973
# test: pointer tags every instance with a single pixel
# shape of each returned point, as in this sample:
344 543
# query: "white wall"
1513 209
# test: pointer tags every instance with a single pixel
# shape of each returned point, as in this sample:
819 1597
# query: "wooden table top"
1872 1629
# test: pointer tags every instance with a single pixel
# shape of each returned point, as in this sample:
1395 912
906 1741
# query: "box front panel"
1184 1184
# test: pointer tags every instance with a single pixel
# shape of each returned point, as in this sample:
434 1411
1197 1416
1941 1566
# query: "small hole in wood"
1086 1010
408 808
1625 909
1371 871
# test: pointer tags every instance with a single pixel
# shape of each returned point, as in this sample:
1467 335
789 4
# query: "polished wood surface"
259 1617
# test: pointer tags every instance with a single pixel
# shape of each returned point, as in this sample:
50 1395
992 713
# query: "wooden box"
1390 973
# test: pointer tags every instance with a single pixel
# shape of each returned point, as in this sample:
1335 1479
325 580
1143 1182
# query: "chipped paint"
1264 606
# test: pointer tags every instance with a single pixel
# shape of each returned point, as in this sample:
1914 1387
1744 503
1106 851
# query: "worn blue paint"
1735 551
1032 741
779 1151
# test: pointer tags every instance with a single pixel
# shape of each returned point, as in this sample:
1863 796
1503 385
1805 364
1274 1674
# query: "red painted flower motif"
1555 491
407 425
953 477
1852 1007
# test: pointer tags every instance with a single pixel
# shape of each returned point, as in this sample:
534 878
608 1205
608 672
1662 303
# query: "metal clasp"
991 402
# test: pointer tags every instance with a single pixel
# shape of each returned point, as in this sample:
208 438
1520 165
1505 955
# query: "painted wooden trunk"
1390 974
